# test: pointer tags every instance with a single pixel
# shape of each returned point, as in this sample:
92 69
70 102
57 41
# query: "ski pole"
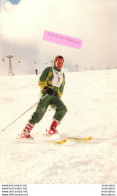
23 114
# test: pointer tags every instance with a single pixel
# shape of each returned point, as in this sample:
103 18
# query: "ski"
56 141
70 138
80 139
61 141
19 137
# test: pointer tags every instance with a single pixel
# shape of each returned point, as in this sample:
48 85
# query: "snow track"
92 109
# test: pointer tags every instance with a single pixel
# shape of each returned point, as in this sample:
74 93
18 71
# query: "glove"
49 91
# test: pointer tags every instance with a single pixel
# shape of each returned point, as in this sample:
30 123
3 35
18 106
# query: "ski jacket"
52 78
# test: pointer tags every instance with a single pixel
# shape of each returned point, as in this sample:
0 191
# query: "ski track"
91 101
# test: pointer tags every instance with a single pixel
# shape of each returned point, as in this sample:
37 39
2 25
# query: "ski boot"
27 130
53 126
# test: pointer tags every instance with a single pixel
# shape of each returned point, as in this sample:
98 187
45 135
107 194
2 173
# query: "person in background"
36 71
51 82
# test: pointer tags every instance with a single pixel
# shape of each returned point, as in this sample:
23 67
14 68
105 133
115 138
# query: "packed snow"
91 100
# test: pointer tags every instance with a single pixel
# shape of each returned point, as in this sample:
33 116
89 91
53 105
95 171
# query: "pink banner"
62 39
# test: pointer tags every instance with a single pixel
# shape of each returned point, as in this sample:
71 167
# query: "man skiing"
51 82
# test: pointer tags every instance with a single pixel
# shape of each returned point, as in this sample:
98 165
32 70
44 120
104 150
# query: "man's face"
59 63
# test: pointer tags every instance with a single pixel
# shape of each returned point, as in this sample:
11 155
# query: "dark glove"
49 91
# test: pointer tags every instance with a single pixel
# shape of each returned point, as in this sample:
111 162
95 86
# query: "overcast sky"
23 22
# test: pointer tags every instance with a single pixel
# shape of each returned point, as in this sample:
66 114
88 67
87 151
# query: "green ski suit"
49 78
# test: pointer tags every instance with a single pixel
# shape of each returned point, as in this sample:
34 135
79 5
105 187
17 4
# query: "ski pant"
52 100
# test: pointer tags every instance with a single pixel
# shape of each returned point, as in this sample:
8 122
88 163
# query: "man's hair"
58 57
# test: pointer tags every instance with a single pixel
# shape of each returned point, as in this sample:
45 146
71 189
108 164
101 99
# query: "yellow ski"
81 139
57 141
62 141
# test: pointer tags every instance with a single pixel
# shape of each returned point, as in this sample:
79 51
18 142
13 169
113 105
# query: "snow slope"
91 99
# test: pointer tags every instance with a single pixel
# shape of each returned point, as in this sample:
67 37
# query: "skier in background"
51 82
36 71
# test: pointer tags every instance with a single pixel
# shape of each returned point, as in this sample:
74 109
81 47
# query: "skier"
51 82
36 71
